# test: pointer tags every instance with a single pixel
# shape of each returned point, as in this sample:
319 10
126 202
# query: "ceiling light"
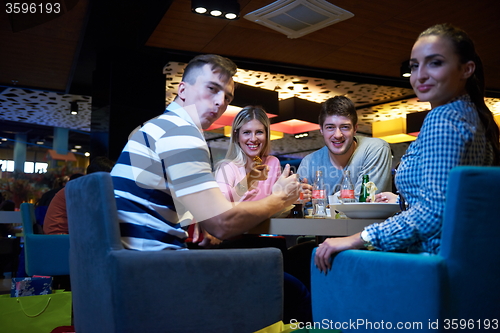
224 9
39 142
246 95
296 115
200 10
78 147
405 71
392 131
87 154
301 135
74 107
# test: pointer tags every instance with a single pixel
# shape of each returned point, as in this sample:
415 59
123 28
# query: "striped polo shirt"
165 158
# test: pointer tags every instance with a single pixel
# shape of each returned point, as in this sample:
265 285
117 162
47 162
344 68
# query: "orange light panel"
294 126
214 126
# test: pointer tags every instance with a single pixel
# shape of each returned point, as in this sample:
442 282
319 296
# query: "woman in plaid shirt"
459 130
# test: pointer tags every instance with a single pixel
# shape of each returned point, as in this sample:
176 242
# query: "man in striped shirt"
163 176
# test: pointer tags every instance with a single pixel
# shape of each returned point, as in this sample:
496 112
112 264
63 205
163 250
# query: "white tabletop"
317 227
10 217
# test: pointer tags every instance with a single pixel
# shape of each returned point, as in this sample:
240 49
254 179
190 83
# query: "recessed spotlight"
200 10
87 154
74 150
78 147
39 142
223 9
301 135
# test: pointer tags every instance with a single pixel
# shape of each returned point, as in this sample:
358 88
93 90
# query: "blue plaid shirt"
452 135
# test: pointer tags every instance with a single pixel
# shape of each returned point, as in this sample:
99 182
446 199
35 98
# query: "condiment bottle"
319 197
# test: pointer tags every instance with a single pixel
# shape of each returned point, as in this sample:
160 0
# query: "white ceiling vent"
296 18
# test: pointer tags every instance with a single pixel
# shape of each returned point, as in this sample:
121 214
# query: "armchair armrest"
379 286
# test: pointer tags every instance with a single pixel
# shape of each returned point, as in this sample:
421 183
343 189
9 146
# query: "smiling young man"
345 151
164 177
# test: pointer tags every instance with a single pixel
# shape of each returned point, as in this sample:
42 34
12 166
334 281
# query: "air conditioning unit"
296 18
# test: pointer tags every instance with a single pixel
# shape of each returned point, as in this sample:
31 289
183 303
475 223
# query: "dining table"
312 226
11 217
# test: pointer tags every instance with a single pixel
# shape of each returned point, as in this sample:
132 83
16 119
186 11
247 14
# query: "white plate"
283 213
367 210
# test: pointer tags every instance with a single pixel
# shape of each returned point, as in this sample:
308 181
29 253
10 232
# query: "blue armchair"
461 282
119 290
43 254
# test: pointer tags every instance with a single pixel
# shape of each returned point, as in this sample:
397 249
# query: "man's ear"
355 128
181 90
469 68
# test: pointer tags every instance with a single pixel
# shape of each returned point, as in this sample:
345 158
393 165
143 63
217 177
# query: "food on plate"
371 188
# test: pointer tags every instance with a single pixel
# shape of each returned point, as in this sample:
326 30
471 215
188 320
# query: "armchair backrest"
44 254
470 242
93 229
28 216
96 190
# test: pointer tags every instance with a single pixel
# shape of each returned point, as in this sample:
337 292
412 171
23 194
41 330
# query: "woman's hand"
330 246
258 173
387 197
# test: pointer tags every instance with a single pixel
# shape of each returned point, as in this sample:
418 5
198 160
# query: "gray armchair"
119 290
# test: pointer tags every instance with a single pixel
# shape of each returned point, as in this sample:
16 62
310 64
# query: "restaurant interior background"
98 69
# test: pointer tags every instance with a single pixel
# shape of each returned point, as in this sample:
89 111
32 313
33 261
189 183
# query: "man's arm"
224 219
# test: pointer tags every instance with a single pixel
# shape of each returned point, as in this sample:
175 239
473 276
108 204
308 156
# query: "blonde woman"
248 172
